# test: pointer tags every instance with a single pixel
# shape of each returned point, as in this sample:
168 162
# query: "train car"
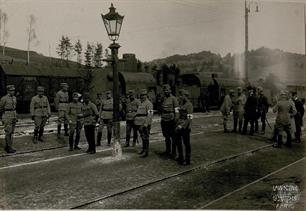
26 78
207 92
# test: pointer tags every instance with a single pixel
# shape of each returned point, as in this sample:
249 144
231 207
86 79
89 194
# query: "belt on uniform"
9 109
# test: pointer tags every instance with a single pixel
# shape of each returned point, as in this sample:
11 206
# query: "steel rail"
161 179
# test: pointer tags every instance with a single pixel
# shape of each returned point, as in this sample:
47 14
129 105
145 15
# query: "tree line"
93 53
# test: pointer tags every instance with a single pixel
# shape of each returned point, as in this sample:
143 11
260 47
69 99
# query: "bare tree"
31 35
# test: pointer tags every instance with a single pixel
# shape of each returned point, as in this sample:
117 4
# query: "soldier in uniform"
226 108
263 107
131 109
143 120
250 115
40 111
99 99
9 117
285 109
61 103
238 110
169 115
106 118
183 128
298 118
75 121
90 114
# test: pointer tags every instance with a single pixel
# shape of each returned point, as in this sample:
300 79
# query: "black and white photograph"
152 104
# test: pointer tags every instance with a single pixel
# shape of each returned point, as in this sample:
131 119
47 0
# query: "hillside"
288 67
20 56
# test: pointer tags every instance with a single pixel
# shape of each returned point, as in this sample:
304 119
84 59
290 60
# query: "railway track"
180 173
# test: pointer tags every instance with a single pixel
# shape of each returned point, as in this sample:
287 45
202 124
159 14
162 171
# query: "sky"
159 28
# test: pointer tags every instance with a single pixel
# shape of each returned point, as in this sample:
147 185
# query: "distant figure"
61 104
298 118
263 107
75 121
169 115
40 112
9 117
131 111
250 115
106 118
143 121
285 109
183 128
238 110
90 114
226 108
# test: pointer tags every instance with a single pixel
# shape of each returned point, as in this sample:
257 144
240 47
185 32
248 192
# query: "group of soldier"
176 118
254 106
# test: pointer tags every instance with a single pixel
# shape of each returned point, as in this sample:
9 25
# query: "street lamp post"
113 22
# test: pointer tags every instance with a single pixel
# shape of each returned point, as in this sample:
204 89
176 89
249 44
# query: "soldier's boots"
59 131
40 134
70 143
127 144
9 149
76 143
109 138
279 142
66 130
35 138
99 137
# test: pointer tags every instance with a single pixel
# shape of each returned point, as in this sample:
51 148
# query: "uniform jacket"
169 108
61 100
263 104
284 109
144 113
251 106
185 118
74 112
106 109
239 102
40 106
226 105
90 113
131 109
8 107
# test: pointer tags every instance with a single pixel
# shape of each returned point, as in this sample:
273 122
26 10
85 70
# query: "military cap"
166 87
143 92
64 85
75 95
10 87
231 91
283 93
40 89
239 89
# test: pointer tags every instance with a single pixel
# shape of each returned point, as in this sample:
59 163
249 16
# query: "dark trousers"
183 135
129 126
168 128
90 137
298 124
144 134
247 119
262 116
109 126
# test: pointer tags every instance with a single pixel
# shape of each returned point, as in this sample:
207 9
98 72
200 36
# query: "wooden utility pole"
246 50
